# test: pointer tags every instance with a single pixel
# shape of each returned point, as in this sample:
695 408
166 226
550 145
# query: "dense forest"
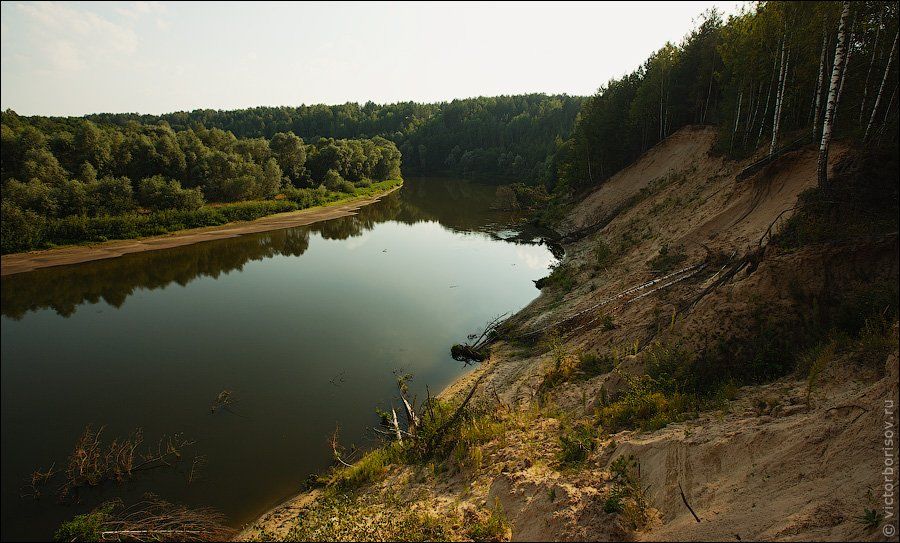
776 74
494 139
72 180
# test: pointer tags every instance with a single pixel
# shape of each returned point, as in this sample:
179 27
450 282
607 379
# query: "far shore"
75 254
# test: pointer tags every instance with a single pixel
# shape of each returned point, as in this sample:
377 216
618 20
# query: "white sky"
157 57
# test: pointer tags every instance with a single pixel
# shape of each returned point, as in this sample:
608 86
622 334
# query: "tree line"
68 180
494 139
774 74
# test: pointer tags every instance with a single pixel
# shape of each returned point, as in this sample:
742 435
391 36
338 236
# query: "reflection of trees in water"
457 205
113 280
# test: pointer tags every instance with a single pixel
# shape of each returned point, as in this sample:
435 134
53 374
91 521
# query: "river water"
306 326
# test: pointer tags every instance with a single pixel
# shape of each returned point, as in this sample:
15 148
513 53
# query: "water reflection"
456 205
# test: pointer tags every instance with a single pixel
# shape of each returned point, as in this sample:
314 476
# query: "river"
306 326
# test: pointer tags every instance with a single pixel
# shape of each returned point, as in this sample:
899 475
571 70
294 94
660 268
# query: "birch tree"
820 83
887 70
831 105
779 95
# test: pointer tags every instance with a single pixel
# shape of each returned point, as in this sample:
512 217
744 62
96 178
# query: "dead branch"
686 504
92 464
412 419
474 350
396 425
336 449
158 520
38 479
223 400
439 433
197 464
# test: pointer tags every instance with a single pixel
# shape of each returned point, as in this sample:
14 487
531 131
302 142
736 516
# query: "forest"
72 180
493 139
775 75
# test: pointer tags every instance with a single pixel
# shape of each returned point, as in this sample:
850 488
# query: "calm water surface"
305 325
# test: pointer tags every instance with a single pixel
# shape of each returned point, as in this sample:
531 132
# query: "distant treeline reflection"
457 205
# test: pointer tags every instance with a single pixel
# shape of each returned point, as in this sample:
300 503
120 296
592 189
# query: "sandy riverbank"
76 254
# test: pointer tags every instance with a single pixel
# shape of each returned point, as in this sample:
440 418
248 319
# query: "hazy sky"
156 57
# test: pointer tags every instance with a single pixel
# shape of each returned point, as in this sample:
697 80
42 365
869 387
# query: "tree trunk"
737 117
762 123
708 92
887 110
820 84
862 104
779 96
753 117
887 70
844 71
837 69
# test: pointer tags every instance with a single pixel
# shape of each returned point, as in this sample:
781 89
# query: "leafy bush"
159 193
86 527
19 230
110 196
345 186
577 443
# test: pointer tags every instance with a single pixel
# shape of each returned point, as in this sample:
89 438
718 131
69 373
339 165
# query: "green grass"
35 232
577 443
495 527
86 527
351 518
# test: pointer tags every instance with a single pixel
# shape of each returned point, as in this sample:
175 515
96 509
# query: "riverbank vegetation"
495 139
71 181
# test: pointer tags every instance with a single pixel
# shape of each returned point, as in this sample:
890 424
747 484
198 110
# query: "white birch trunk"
820 84
831 104
762 123
844 71
887 70
752 121
862 104
779 95
737 117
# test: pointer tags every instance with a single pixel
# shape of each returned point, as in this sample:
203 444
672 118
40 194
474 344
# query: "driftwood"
156 520
475 349
686 504
396 425
412 419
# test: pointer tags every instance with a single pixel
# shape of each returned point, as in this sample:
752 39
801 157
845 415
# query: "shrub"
493 528
332 180
345 186
603 255
160 193
577 444
86 527
110 196
20 230
32 196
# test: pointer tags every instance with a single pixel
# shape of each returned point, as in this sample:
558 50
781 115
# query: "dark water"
305 325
